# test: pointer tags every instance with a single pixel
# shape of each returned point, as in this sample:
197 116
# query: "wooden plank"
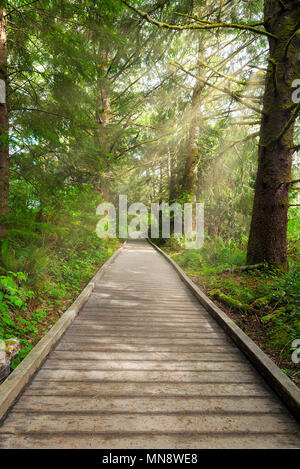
145 365
145 440
140 348
92 422
187 365
99 331
161 404
149 389
161 356
121 326
79 338
147 375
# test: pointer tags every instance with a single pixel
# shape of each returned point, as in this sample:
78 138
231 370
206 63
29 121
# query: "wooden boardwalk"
145 366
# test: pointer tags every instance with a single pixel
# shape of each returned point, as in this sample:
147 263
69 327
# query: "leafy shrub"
45 264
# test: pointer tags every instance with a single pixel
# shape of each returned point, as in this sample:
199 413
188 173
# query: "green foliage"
216 254
293 233
42 271
224 254
98 104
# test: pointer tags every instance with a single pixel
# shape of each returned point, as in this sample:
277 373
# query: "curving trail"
145 366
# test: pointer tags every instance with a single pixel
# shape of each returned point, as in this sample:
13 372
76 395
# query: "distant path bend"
145 366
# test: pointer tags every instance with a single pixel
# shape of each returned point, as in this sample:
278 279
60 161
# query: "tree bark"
188 184
4 152
103 111
268 232
189 177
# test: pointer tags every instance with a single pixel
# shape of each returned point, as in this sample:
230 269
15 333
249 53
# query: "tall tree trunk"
268 232
192 150
172 176
188 185
4 156
102 120
189 177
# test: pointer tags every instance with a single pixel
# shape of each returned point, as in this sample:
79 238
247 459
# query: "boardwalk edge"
19 378
278 381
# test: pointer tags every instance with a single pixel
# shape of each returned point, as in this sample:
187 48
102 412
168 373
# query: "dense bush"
45 264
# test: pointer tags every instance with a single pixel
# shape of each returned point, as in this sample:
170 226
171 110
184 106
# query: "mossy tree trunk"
4 153
268 232
189 179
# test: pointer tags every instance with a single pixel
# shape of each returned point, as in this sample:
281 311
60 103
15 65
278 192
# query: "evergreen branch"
200 20
227 77
242 140
291 38
55 114
210 13
245 123
258 68
21 6
128 87
233 94
289 122
41 110
193 26
144 142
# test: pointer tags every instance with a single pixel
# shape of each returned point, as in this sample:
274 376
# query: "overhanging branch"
194 26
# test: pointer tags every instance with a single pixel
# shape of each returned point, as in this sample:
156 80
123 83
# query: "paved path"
145 366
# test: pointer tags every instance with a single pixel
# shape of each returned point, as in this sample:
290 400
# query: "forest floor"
264 304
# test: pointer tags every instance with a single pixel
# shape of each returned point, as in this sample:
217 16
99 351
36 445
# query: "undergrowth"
45 264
